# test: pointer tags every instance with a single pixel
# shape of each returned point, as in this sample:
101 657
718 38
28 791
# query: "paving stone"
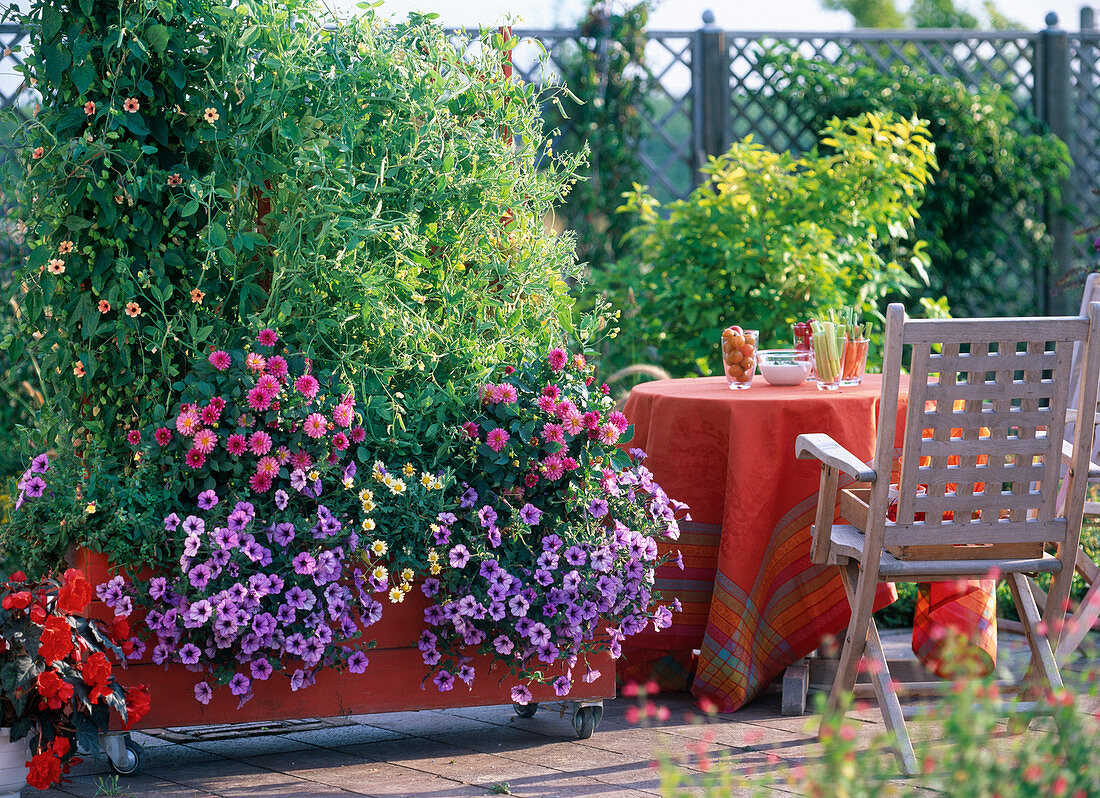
231 779
136 786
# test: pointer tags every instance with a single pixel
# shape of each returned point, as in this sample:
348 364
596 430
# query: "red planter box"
396 679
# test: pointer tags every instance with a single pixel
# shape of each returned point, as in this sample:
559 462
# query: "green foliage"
768 239
375 193
111 240
603 112
920 14
983 214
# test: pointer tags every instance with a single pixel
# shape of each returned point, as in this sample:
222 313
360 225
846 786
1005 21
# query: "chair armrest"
1067 460
819 446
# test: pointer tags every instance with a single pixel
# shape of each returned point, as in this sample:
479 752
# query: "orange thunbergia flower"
89 108
78 369
104 306
56 266
38 152
174 180
131 105
133 309
65 247
211 115
197 296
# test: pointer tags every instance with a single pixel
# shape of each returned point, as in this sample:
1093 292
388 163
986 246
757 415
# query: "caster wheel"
585 721
527 710
131 762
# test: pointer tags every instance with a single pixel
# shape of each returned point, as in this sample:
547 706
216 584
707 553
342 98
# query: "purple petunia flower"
171 522
298 482
518 605
598 508
158 586
551 543
239 684
530 514
357 662
298 680
562 685
189 654
493 536
458 556
203 693
521 695
261 669
286 615
283 533
487 516
575 556
199 576
193 525
207 499
304 563
281 498
538 634
446 518
40 464
503 644
33 487
444 681
466 674
468 499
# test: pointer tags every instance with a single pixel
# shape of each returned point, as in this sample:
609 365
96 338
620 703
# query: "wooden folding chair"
1081 622
1005 384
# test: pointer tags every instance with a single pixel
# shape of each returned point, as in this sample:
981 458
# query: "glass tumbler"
739 356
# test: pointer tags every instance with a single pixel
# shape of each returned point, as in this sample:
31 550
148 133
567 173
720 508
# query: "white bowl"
784 366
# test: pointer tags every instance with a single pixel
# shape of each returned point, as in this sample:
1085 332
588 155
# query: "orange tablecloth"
753 603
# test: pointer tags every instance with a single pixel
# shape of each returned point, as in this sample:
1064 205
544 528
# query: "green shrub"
983 213
768 239
603 113
375 193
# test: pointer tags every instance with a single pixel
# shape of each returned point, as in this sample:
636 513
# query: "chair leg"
889 704
855 639
1042 657
1082 620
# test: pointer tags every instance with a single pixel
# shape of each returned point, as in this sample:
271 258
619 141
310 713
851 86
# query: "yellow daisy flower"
435 568
408 470
426 480
396 595
397 486
407 575
380 573
367 524
379 548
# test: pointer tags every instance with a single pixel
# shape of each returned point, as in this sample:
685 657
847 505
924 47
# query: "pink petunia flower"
267 337
220 360
236 444
556 358
307 386
205 440
315 425
497 438
259 442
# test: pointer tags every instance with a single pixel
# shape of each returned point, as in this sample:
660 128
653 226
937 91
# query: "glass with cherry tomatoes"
739 356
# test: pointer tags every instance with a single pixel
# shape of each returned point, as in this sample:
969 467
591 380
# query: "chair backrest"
1090 295
983 431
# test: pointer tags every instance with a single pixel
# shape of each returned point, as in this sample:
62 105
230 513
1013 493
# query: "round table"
753 603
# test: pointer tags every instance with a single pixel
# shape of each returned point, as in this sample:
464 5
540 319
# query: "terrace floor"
475 752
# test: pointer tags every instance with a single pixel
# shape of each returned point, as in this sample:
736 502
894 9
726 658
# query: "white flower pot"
13 764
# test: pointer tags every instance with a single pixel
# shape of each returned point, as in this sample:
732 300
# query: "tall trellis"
709 87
